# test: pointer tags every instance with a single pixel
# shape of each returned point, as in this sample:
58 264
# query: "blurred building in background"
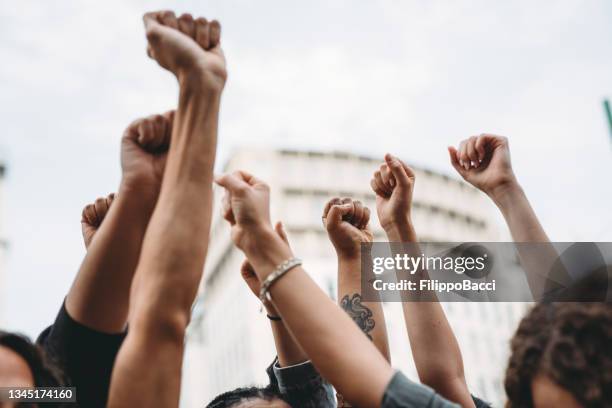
3 246
230 342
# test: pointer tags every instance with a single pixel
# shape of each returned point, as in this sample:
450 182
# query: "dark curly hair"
45 373
239 395
570 343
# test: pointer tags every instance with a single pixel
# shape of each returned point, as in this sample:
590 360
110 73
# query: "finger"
328 205
398 171
167 18
386 176
348 201
186 25
100 208
480 147
377 190
215 33
464 159
202 33
249 178
246 270
280 230
381 184
88 216
471 151
359 213
366 218
234 184
226 208
454 159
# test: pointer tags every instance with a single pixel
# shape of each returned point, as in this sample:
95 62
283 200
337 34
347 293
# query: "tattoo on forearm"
360 314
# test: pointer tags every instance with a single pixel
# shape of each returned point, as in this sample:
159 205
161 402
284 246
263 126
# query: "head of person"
24 364
560 357
249 397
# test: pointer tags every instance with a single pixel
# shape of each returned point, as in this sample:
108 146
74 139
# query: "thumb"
336 213
455 161
398 170
280 230
232 183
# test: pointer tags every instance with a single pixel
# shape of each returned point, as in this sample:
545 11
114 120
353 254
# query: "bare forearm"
177 236
369 316
99 296
519 215
536 253
435 349
337 348
288 350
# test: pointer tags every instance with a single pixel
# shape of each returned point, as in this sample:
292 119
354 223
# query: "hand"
185 46
92 217
250 277
144 148
346 222
246 206
484 162
393 184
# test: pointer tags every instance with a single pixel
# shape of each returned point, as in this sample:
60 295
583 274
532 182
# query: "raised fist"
144 148
186 46
484 162
393 184
246 206
92 217
346 222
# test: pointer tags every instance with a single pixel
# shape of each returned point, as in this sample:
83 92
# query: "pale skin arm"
484 161
434 347
346 222
176 241
337 348
288 350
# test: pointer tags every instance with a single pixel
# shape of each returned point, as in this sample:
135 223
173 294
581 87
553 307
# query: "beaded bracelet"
264 293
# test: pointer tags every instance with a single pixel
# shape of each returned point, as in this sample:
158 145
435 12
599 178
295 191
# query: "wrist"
265 250
141 196
196 81
401 230
504 193
349 269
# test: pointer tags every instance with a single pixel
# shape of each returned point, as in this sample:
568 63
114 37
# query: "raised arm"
484 162
288 350
147 372
346 222
99 296
337 348
434 347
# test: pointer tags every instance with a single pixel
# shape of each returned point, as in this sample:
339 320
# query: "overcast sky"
405 76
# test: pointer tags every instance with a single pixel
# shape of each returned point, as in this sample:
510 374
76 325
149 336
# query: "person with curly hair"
561 356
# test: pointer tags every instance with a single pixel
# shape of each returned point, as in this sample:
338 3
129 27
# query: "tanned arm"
484 161
176 241
99 296
434 347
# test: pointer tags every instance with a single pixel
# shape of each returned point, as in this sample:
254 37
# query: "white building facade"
230 343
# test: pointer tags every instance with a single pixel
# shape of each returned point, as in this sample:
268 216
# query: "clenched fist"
144 148
92 217
186 46
346 222
393 184
484 162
